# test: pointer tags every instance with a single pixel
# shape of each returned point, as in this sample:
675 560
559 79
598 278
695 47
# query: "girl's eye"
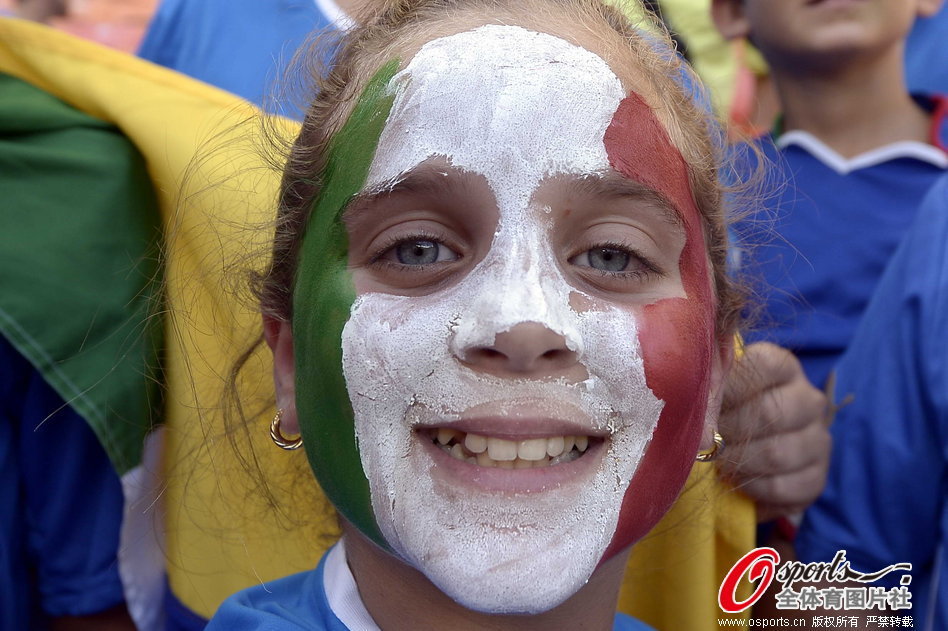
616 266
606 259
420 252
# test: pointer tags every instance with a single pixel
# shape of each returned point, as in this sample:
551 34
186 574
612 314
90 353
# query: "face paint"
677 334
322 297
483 547
481 542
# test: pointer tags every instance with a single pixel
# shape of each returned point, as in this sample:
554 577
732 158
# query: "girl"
498 313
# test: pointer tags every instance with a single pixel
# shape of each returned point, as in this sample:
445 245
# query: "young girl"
498 313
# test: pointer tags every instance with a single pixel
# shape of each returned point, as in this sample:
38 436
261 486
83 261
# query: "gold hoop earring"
711 454
278 438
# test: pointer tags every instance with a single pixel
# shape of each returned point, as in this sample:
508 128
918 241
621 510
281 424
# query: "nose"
526 349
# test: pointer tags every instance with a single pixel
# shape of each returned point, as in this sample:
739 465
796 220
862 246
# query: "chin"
500 540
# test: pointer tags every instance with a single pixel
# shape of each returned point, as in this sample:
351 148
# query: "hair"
641 51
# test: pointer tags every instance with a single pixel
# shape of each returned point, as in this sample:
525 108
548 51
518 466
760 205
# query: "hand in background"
774 423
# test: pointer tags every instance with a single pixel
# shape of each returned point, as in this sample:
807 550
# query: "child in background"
858 153
464 312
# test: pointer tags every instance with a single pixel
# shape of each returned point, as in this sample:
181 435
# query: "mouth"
502 453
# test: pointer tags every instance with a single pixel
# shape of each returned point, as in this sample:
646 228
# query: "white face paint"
515 107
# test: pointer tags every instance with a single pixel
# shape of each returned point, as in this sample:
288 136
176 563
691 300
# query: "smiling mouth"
489 451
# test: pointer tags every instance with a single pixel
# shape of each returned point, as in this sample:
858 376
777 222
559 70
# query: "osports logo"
756 564
763 564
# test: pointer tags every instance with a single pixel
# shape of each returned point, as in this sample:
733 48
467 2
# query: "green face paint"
322 297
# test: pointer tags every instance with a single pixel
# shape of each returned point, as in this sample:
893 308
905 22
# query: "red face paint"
676 334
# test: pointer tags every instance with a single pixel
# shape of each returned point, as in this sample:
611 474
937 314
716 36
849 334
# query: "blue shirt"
299 602
60 505
886 499
823 239
242 46
926 56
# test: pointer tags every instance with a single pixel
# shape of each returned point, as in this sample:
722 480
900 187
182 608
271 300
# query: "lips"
504 453
517 451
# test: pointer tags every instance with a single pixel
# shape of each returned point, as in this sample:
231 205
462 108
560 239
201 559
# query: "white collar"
822 152
334 13
342 592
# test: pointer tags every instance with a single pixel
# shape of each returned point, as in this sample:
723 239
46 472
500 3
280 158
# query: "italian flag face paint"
677 334
522 113
322 297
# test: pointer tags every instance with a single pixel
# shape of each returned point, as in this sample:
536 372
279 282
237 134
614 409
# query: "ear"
928 8
730 18
721 366
279 336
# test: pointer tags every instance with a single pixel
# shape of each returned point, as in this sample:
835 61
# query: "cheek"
677 341
678 345
676 334
677 351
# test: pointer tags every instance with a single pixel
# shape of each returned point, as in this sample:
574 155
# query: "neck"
855 107
400 597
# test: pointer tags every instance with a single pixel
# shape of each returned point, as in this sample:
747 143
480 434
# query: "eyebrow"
423 180
613 185
437 179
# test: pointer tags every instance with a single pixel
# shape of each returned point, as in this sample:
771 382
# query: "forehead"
502 101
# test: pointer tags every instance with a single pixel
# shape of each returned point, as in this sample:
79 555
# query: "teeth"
445 435
503 450
554 446
532 449
475 444
488 451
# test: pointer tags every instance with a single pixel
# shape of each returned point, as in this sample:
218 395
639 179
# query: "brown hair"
399 24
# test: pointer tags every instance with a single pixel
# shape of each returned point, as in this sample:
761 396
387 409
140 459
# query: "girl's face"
529 355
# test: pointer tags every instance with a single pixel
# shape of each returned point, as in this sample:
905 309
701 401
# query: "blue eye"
421 252
604 259
616 263
417 252
608 259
